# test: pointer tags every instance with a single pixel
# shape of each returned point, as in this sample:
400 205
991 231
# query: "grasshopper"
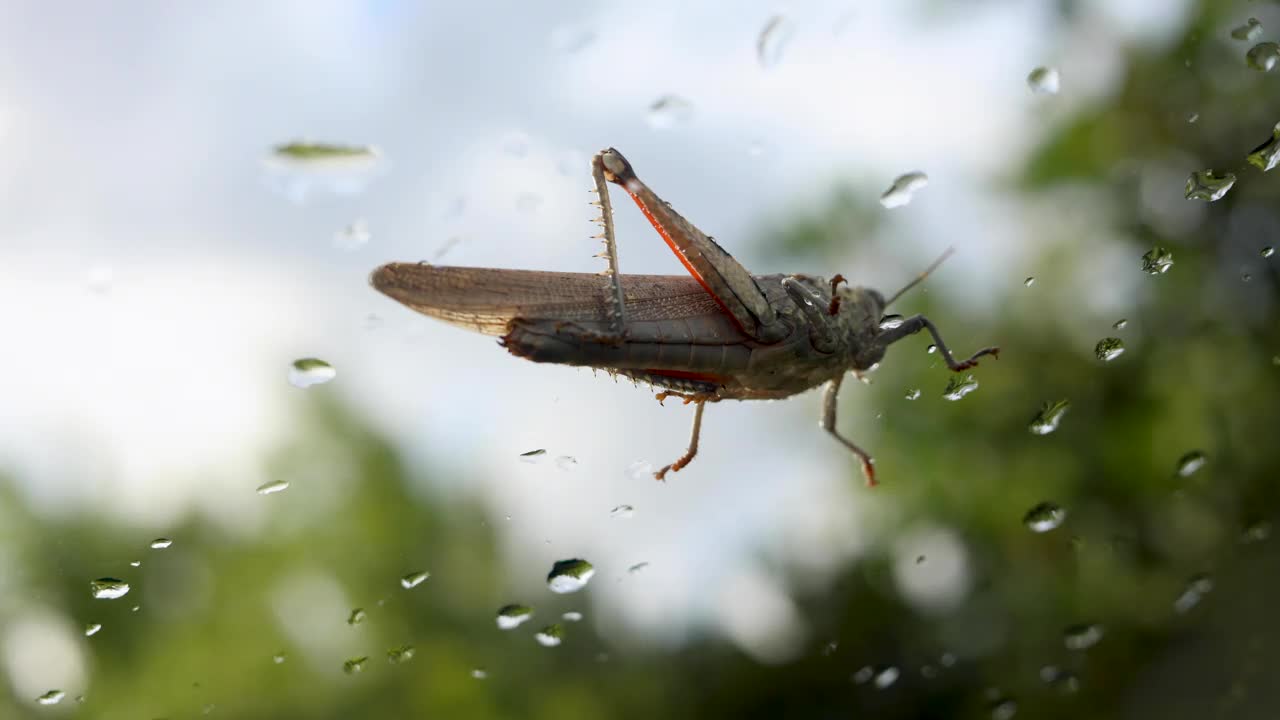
719 333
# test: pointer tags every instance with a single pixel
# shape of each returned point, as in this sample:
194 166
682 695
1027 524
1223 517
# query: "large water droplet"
352 237
108 588
402 654
1044 517
414 579
1157 261
568 576
1208 185
513 616
92 629
272 487
1082 637
357 616
1191 462
889 322
1196 589
1046 421
1251 30
1108 349
306 372
53 697
1044 81
773 41
959 386
161 543
669 111
622 511
1267 155
1263 56
903 189
355 665
550 636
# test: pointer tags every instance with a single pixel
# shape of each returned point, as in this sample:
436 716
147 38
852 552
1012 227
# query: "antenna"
933 266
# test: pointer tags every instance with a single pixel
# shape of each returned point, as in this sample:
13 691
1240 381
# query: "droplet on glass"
550 636
414 579
1157 261
1209 186
886 677
566 463
889 322
92 629
1267 155
306 372
1046 421
637 568
1044 81
572 616
903 189
272 487
1196 589
1190 463
513 616
669 111
1044 517
1082 637
1120 324
1251 30
622 511
53 697
773 41
402 654
108 588
1108 349
357 616
1029 281
1263 56
959 386
568 576
913 394
161 543
1268 251
355 665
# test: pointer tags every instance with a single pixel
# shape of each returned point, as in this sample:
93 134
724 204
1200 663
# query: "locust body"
719 333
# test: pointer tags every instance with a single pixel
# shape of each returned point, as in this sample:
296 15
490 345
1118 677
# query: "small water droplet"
638 567
1251 30
1003 709
959 386
572 616
931 349
279 658
1029 281
306 372
92 629
272 487
513 616
1190 463
886 677
1266 156
1157 261
1082 637
1044 517
889 322
903 189
1263 56
1044 81
1196 589
135 608
402 654
352 237
773 41
568 576
53 697
1192 118
108 588
355 665
566 463
135 563
357 616
1208 185
160 543
622 511
913 394
1108 349
1268 251
1050 415
414 579
1120 324
550 636
533 456
669 111
479 674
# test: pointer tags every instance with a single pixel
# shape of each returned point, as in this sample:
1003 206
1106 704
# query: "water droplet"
533 456
572 616
931 349
1251 30
1044 517
886 677
1268 251
913 394
773 41
108 588
623 511
550 636
669 111
511 617
863 675
355 665
1044 81
279 658
402 654
306 372
959 386
1003 709
903 189
479 674
1120 324
1157 261
414 579
135 608
1267 155
135 563
638 567
357 616
566 463
1191 462
1108 349
160 543
274 486
889 322
568 576
1196 589
352 237
1263 56
1029 281
53 697
92 629
1082 637
1193 117
1046 421
570 39
1209 186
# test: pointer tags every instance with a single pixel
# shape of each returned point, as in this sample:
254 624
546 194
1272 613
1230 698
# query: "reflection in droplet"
352 237
889 322
1267 155
903 189
306 372
1050 415
773 41
1191 462
513 616
272 487
1251 30
1208 185
357 616
1120 324
92 629
1263 56
1157 261
1196 589
355 665
550 636
1044 517
959 386
53 697
108 588
402 654
1108 349
622 511
414 579
568 576
669 111
1044 81
913 394
1082 637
